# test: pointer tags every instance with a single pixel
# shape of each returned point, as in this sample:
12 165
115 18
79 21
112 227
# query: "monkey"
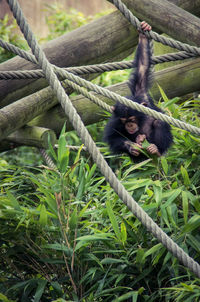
128 128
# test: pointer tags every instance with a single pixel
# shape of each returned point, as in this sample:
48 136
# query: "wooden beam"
109 38
176 81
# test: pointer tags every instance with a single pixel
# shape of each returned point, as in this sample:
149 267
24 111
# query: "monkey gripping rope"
89 143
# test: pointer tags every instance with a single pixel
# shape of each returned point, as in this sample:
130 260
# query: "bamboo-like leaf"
123 233
43 215
185 206
140 259
164 96
157 193
192 224
153 250
73 219
5 299
113 220
40 290
164 164
185 176
125 297
14 201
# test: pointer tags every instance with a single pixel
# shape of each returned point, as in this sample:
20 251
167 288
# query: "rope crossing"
50 75
72 78
74 81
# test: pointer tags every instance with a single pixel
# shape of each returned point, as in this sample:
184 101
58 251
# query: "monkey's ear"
112 108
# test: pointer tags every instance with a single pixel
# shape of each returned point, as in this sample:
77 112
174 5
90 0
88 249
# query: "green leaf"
164 96
140 256
123 233
40 290
91 173
145 144
185 176
125 297
43 215
185 206
81 213
14 201
193 242
58 247
157 194
73 219
164 164
193 224
86 240
113 220
5 299
111 261
153 250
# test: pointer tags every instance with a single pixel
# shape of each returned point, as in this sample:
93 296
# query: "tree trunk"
109 38
29 136
167 17
176 81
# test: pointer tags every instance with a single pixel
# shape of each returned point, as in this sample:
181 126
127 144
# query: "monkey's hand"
133 148
140 139
153 149
145 26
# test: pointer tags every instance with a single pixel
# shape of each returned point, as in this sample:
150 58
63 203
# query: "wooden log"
176 81
167 17
110 38
29 136
107 39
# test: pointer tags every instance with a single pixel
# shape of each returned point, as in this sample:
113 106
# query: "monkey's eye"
132 119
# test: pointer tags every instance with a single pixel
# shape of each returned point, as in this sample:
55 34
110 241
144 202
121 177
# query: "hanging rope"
89 143
76 82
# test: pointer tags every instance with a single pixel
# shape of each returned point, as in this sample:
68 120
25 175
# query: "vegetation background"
66 236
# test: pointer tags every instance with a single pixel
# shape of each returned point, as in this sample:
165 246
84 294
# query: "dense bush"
65 234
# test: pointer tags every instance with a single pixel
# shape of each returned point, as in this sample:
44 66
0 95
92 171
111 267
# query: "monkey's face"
130 124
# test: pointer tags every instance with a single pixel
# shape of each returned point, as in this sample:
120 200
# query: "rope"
80 70
114 96
153 35
75 82
89 143
48 159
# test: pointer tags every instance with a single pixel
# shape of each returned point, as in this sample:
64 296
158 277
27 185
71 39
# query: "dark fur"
157 132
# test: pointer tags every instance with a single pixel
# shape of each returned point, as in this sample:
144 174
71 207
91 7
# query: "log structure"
110 38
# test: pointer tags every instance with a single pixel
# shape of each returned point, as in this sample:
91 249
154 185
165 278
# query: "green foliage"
8 33
66 236
60 21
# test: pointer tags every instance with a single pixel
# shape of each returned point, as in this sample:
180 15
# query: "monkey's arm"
141 77
139 80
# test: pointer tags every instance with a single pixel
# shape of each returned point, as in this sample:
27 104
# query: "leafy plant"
66 236
8 33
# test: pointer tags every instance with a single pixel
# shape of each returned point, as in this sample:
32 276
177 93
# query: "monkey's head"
130 118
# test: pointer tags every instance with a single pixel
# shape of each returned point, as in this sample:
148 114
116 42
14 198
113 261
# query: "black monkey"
128 128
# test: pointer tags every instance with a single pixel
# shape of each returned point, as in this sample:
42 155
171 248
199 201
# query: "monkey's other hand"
133 149
140 139
145 26
153 149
